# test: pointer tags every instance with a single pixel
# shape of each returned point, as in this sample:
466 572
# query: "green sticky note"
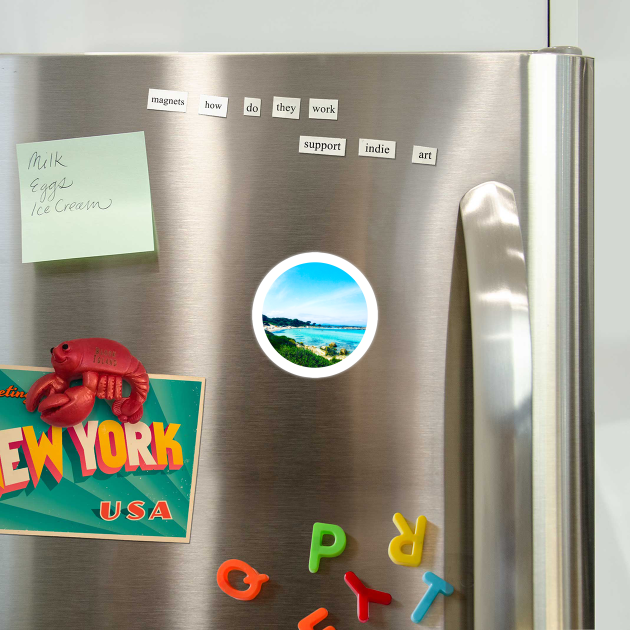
85 197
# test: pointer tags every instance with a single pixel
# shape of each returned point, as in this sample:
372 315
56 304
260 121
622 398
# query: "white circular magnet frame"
370 329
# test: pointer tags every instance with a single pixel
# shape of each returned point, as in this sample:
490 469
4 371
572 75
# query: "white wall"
604 29
263 25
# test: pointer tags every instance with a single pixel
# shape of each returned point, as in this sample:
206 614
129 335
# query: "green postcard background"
72 505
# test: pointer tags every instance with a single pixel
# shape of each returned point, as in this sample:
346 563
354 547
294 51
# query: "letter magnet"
252 577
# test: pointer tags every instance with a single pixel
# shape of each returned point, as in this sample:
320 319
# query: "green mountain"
285 321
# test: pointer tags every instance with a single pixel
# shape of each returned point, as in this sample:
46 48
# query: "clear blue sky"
319 293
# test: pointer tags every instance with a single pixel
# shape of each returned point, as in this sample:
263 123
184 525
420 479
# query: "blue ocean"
348 339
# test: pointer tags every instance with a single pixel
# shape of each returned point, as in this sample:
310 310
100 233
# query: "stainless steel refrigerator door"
232 198
502 375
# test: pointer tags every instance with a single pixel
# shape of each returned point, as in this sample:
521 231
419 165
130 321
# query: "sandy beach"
270 328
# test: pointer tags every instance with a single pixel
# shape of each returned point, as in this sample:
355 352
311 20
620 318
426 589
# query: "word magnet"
377 148
323 108
319 550
252 577
213 106
167 100
407 537
322 146
285 107
251 106
424 155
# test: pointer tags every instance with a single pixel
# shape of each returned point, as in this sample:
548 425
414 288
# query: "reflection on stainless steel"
559 256
232 197
502 365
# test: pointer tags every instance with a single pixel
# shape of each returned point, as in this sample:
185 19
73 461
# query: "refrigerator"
471 228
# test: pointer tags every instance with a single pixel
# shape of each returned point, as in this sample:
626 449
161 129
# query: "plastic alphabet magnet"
308 623
365 596
407 537
436 586
252 577
319 551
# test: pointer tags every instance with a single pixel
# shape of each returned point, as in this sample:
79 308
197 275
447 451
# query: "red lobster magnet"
102 364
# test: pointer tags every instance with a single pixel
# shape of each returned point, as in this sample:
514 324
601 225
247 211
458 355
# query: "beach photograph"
315 315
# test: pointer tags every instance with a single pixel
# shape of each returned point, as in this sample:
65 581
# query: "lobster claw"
43 386
128 410
68 408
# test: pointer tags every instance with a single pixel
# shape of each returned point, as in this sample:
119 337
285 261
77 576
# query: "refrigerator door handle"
502 374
